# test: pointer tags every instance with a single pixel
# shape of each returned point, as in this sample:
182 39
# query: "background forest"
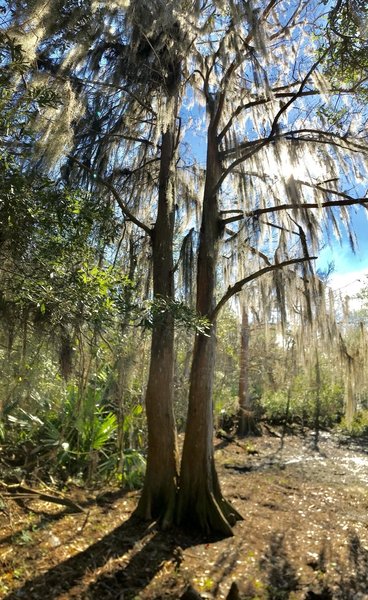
169 173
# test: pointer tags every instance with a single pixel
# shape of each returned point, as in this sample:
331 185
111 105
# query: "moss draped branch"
238 286
123 207
346 201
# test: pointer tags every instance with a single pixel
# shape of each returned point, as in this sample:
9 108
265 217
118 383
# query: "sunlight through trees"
150 225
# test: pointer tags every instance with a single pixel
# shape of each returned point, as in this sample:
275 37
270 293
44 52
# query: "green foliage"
347 44
20 101
185 317
333 116
63 277
225 396
359 426
53 239
302 400
76 437
24 538
81 432
47 240
134 467
226 383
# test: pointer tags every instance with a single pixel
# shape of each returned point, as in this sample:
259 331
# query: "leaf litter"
304 535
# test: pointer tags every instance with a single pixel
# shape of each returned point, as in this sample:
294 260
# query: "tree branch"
233 219
348 201
124 209
258 102
238 286
274 128
264 257
22 492
257 145
344 195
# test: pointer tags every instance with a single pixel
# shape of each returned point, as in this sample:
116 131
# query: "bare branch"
257 252
274 128
344 195
233 219
266 99
255 146
279 227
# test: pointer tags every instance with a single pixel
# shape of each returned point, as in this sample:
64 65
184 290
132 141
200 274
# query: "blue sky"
350 269
342 255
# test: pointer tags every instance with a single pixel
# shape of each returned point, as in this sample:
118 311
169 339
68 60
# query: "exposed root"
208 511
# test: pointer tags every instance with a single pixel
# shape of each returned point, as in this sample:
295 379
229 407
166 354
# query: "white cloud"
350 284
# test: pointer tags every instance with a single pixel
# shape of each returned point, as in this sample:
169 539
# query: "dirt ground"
304 534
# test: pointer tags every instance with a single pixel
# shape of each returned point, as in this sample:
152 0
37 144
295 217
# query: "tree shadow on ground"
279 574
44 520
137 574
148 549
354 577
105 500
347 581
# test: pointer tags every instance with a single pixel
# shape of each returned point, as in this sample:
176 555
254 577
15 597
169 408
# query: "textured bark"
159 491
201 503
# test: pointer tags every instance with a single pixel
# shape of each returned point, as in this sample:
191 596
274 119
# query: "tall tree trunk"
246 419
160 485
350 400
201 503
317 409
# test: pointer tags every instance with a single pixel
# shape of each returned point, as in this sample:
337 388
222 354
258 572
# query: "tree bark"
317 409
160 485
246 418
350 400
201 503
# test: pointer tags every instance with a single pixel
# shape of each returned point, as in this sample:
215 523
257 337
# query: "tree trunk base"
207 514
158 507
247 424
206 509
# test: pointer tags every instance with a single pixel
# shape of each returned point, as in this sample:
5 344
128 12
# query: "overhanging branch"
280 95
238 286
316 136
297 94
347 201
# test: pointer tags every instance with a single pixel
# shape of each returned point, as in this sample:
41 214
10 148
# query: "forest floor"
304 534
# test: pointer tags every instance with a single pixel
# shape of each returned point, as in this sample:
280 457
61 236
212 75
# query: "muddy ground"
304 534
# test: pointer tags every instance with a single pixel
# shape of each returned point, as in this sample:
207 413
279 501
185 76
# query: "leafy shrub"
134 468
77 437
300 404
359 426
225 398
